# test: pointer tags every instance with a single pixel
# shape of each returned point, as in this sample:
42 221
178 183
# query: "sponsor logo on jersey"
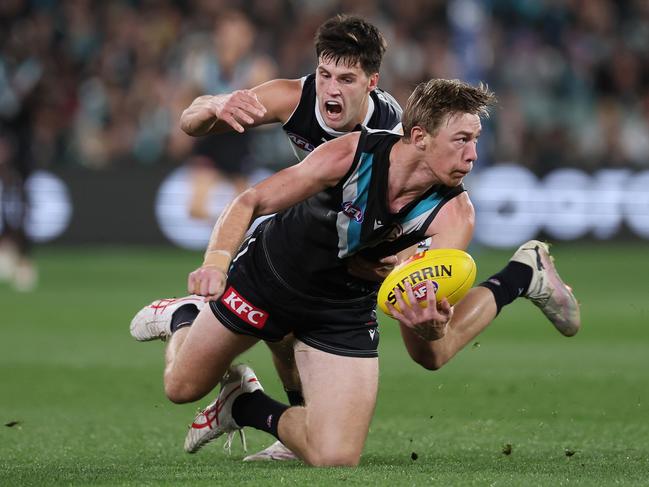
394 231
417 279
388 232
300 142
243 309
353 211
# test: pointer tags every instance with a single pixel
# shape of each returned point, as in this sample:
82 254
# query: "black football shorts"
256 303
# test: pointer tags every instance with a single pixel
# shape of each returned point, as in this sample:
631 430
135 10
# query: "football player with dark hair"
340 96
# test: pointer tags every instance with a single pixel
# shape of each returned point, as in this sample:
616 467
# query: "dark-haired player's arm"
273 101
321 169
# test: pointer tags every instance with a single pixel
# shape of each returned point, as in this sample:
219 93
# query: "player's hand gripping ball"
451 271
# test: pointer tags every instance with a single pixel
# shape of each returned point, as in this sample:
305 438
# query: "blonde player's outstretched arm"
323 168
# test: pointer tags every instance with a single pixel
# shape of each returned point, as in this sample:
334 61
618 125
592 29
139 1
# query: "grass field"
81 403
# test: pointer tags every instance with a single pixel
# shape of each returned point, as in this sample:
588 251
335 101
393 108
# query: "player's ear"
418 137
374 82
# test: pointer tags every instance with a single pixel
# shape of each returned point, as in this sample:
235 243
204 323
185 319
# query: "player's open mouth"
333 109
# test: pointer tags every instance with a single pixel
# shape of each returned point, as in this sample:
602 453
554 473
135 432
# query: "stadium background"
564 157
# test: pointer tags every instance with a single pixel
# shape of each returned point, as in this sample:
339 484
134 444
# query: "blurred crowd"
100 84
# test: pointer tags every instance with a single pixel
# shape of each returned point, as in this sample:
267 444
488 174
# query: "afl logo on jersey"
300 142
353 211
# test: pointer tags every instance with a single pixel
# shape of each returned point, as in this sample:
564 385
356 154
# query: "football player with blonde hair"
370 193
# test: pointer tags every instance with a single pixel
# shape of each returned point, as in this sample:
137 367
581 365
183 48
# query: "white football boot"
547 291
217 419
153 322
277 452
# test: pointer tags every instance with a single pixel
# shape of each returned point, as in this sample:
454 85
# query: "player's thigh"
208 350
283 349
340 393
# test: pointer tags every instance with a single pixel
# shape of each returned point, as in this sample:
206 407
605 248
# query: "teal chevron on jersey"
351 216
420 213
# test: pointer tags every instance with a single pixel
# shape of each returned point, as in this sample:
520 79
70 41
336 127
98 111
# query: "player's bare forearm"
429 354
199 119
232 225
209 279
423 329
221 113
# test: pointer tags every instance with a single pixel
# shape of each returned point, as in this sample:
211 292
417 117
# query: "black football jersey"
307 244
306 128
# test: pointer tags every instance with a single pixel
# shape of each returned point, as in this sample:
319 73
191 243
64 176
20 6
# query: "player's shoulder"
376 136
281 86
380 132
344 143
386 99
387 111
459 207
334 160
280 97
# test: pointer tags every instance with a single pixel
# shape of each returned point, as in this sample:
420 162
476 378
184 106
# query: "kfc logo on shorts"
243 309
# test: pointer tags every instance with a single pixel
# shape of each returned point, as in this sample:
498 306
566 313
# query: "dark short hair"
434 100
348 40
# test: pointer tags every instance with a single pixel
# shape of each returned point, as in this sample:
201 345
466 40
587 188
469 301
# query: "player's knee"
181 392
333 458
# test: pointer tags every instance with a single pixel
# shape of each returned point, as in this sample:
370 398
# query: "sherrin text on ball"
451 271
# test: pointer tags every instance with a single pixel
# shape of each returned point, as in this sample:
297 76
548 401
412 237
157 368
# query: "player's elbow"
429 360
250 200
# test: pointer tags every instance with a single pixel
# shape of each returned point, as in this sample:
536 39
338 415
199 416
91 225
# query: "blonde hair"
433 101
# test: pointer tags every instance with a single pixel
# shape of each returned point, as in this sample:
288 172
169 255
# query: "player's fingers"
446 309
411 294
249 100
194 282
444 306
257 103
217 283
242 115
252 108
431 298
396 314
405 308
399 297
232 122
212 286
190 283
390 260
204 287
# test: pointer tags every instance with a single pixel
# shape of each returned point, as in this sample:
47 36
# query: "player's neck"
408 178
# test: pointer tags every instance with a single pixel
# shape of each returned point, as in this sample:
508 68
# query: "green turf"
90 410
